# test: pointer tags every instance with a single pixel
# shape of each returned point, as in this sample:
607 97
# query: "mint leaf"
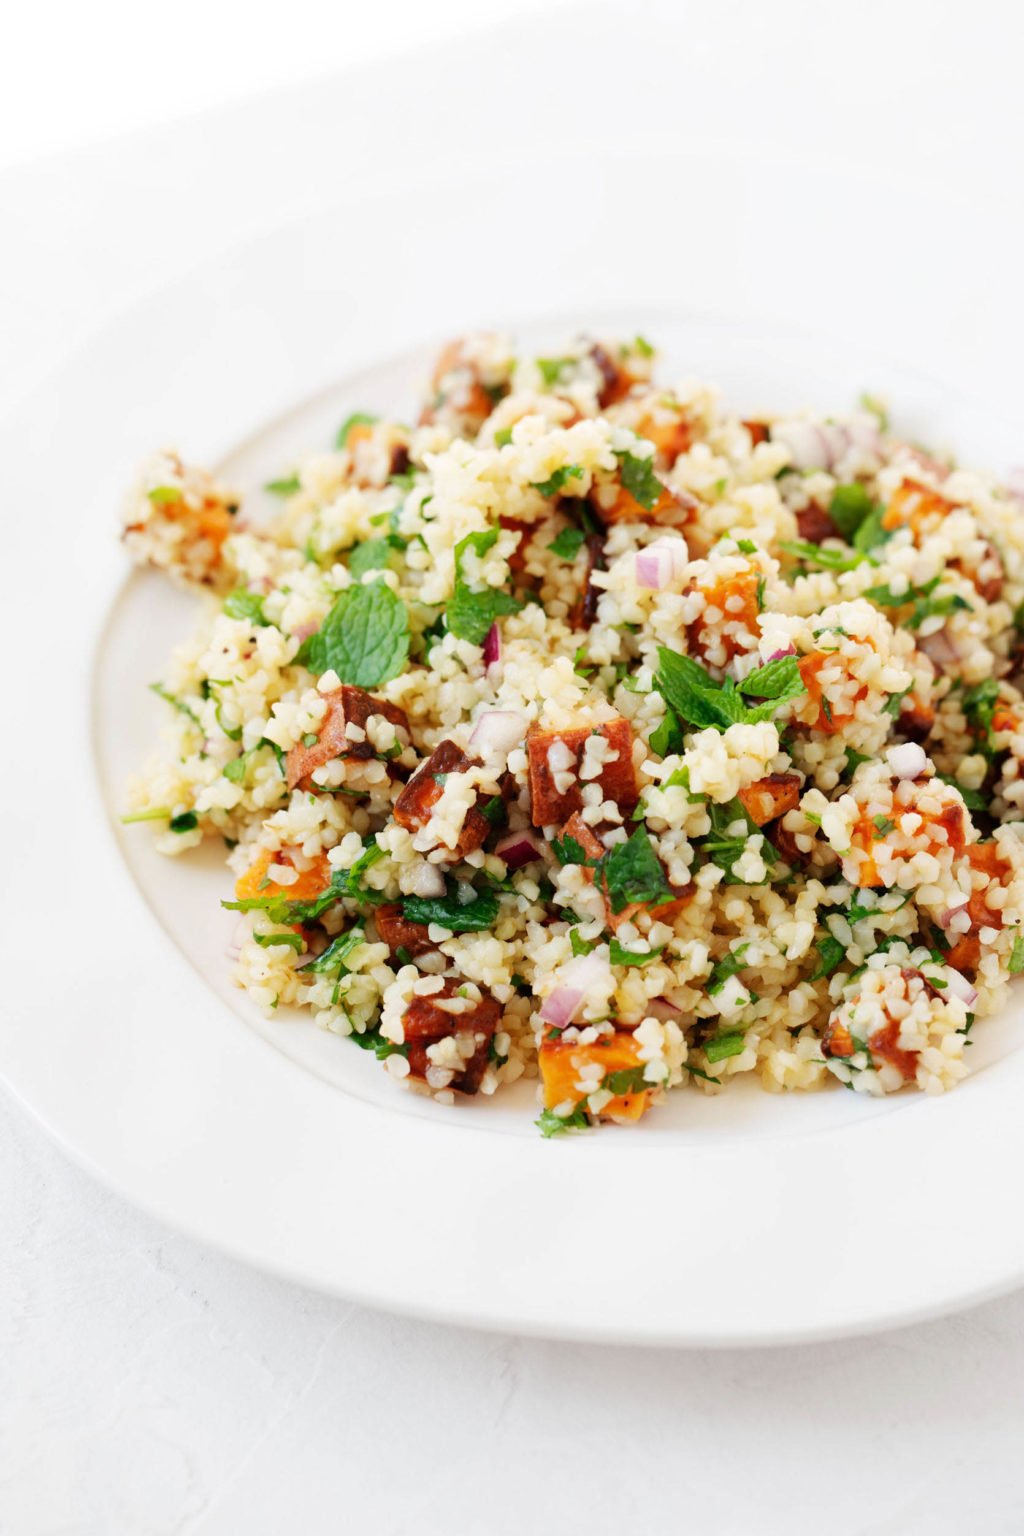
557 481
337 952
832 953
694 694
364 638
568 543
631 872
272 940
638 478
628 1080
667 737
371 555
357 419
871 534
373 1040
241 604
568 851
471 614
828 559
779 679
1016 962
849 506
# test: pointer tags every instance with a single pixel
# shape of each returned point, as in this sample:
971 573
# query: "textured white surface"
149 1386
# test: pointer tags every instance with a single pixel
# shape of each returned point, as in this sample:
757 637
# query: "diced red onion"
497 731
492 646
661 1008
960 987
908 760
303 631
940 650
863 433
518 848
804 442
660 563
946 918
778 655
837 441
1015 482
575 981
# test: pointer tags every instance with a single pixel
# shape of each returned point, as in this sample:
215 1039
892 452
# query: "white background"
149 1386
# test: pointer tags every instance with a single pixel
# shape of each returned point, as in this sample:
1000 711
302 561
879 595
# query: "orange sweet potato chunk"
425 1023
551 805
397 932
561 1061
307 887
346 706
771 797
416 802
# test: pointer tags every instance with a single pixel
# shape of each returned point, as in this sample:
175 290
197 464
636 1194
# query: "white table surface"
147 1385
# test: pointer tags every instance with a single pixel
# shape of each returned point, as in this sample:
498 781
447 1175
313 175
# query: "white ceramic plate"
744 1219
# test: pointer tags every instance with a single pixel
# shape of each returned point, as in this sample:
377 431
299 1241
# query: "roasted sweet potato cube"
397 932
416 802
913 505
346 706
555 758
916 718
771 797
814 524
986 858
428 1020
561 1062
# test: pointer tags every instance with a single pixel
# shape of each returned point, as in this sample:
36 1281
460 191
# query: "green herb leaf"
279 940
568 851
623 956
832 953
628 1080
357 419
552 368
186 822
667 737
558 480
827 559
337 952
241 604
638 478
286 487
849 506
550 1124
779 679
729 965
162 495
470 613
176 703
449 912
871 533
568 543
631 872
1016 961
720 1046
503 437
373 1040
364 638
581 946
371 555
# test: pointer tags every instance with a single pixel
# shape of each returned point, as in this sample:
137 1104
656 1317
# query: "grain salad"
586 732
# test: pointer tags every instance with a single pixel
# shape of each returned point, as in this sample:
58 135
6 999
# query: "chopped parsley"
550 1124
568 851
729 965
849 507
556 483
639 480
186 822
580 946
333 960
827 559
1016 961
729 1043
241 604
628 1080
568 543
357 419
832 954
623 956
285 487
277 940
373 1040
449 912
631 873
925 606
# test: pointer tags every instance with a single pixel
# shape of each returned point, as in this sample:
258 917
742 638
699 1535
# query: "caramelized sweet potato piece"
457 386
397 932
771 797
758 432
346 706
671 432
307 887
560 1064
618 381
916 718
624 508
735 599
883 1044
912 504
554 753
814 524
829 718
427 1020
416 802
986 858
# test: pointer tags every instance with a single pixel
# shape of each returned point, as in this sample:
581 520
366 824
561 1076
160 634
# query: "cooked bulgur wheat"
586 731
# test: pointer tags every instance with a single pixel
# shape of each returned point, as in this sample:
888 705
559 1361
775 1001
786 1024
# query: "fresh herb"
449 912
730 1043
373 1040
186 822
357 419
556 483
883 824
667 736
567 544
854 760
552 368
639 480
349 882
631 873
628 1080
832 953
925 606
241 604
893 703
286 487
876 408
972 798
642 348
725 847
162 495
568 851
698 699
1016 962
371 555
364 638
872 531
828 559
471 614
979 704
169 698
622 956
550 1124
503 437
277 940
849 506
333 960
746 546
581 946
730 965
159 813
